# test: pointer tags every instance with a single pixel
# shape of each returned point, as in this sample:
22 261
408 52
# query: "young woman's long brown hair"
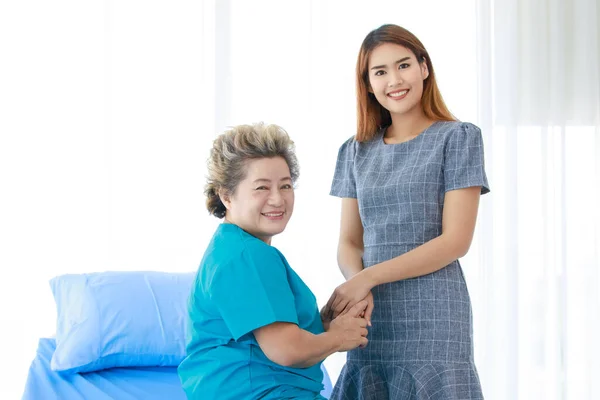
370 114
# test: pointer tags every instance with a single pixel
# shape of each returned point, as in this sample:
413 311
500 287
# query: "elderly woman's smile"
263 202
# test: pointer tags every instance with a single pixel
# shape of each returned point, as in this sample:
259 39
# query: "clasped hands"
346 296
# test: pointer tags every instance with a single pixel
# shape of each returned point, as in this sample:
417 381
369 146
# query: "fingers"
358 308
364 332
369 312
341 310
324 311
333 304
344 312
330 302
363 342
339 305
326 316
337 313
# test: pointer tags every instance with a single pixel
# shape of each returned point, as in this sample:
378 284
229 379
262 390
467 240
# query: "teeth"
398 94
273 214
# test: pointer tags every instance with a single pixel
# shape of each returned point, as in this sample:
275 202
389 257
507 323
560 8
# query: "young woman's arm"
288 345
350 250
458 224
350 245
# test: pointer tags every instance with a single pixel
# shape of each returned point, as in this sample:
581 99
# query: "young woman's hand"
369 310
326 317
349 293
350 328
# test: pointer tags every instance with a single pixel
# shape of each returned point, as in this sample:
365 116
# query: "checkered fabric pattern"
421 341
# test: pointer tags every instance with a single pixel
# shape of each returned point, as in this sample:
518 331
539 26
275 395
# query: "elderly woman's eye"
286 186
262 188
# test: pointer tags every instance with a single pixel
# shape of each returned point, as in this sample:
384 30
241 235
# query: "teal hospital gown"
243 284
420 344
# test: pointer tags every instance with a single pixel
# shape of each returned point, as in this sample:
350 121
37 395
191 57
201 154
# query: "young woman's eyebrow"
397 62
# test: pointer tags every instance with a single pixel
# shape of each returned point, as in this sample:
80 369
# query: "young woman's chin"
404 109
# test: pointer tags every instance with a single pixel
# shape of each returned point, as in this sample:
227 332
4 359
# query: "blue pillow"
120 319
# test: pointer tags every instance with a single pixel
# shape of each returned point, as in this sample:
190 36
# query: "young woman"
410 182
254 330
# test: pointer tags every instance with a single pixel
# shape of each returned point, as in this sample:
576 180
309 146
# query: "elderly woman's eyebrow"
287 178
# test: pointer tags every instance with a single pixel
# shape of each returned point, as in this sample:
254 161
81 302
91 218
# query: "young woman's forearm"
425 259
349 258
458 225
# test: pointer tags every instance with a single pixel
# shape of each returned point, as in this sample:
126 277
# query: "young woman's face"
396 78
263 202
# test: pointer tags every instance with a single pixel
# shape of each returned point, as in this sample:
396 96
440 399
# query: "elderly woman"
254 327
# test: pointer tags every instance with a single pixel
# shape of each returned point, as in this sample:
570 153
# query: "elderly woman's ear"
224 196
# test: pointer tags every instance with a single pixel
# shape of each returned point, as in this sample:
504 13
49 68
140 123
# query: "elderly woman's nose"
276 199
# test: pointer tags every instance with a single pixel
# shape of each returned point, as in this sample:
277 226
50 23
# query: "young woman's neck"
408 125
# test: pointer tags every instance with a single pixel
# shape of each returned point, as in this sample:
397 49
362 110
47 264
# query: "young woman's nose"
395 79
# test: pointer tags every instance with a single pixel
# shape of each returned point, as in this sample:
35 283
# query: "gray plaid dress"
421 341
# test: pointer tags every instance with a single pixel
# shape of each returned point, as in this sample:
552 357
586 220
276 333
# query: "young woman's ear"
424 68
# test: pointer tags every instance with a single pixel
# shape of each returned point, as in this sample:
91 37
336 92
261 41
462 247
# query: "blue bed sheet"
158 383
150 383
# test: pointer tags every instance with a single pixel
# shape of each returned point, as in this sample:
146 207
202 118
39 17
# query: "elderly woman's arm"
288 345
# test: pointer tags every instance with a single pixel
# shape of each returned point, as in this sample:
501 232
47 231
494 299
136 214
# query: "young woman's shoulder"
349 143
459 127
348 149
453 132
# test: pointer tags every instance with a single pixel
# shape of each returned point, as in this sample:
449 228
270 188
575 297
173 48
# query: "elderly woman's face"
264 201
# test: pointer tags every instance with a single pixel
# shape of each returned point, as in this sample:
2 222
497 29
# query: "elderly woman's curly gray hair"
234 148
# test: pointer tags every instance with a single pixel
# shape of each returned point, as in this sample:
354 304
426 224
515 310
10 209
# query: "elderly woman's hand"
348 294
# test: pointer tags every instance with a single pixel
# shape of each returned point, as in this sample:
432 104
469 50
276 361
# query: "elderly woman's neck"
266 239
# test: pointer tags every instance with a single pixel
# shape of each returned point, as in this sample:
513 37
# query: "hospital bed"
123 336
160 383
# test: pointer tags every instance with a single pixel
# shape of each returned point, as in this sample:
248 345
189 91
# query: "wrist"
369 276
334 341
351 273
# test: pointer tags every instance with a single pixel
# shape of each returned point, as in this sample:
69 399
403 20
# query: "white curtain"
536 297
108 109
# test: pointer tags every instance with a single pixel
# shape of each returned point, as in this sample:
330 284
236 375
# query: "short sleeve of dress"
252 291
464 159
344 178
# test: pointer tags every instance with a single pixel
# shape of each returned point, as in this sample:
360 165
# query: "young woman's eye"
403 66
379 73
